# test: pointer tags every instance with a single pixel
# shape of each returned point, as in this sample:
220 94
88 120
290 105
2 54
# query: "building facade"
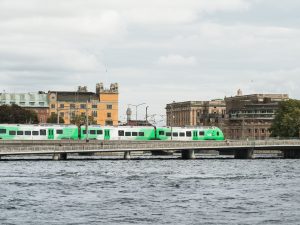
37 102
100 106
196 113
251 116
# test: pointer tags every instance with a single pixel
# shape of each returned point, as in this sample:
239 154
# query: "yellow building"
101 107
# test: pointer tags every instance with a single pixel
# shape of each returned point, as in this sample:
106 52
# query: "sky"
158 51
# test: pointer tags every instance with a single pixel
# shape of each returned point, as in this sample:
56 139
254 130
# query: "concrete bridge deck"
241 149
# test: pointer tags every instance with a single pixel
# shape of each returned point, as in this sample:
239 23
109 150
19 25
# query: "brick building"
196 113
101 106
251 116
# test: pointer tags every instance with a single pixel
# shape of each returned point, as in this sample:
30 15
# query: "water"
205 191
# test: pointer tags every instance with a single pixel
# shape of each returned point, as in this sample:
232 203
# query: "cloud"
177 60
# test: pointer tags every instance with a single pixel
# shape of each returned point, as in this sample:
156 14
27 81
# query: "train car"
141 133
189 134
37 132
117 133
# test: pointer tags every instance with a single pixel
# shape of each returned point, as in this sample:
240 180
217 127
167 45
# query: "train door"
106 134
195 135
50 133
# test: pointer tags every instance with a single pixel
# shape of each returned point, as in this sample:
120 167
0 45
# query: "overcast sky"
158 51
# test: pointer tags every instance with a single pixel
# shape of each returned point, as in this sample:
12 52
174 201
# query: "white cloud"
159 49
173 60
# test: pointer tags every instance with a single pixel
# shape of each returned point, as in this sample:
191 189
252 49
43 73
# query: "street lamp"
136 106
147 115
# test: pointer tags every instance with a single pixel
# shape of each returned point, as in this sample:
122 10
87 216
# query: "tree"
287 119
53 119
16 114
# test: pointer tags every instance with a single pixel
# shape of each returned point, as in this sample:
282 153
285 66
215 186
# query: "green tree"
16 114
53 119
287 119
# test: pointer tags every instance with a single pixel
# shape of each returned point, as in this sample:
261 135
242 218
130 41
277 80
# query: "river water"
202 191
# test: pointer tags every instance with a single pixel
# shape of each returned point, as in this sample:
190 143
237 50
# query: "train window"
181 134
189 134
175 134
218 133
99 131
161 132
168 134
201 133
27 132
92 132
2 131
134 133
84 131
20 132
121 132
127 134
35 133
59 131
12 132
141 134
43 132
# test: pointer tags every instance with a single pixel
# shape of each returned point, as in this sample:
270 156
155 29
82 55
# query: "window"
82 114
61 114
141 134
99 131
108 106
43 132
31 103
189 134
108 122
134 134
59 131
168 134
94 113
182 134
108 115
127 134
72 106
22 103
12 103
41 103
161 132
94 106
92 132
175 134
2 131
84 131
20 132
121 132
12 132
35 133
28 133
201 133
82 106
61 106
218 133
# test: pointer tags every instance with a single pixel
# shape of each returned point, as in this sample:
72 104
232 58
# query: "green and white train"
96 132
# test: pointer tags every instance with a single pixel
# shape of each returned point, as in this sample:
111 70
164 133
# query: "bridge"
242 149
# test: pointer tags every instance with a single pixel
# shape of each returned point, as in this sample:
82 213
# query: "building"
251 116
37 102
196 113
100 106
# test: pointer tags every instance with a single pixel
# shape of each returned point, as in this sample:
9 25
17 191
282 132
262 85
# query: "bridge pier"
188 154
291 154
60 156
243 154
127 155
